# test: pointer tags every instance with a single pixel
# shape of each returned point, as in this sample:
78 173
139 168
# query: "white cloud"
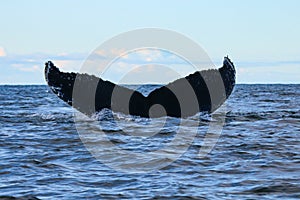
150 54
34 68
150 74
26 68
111 53
272 73
2 52
132 67
68 65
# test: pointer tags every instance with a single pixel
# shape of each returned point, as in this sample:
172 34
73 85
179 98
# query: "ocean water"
257 156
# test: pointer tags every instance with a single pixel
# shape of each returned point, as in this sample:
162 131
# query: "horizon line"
249 83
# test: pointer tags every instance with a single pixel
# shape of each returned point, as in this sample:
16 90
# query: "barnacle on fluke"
90 94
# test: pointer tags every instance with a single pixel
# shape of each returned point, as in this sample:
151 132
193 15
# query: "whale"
201 91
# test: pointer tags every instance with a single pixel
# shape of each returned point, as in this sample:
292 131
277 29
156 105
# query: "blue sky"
261 37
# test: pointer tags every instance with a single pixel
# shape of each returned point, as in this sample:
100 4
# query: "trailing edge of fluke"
202 91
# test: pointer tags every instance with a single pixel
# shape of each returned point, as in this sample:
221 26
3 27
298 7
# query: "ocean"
257 155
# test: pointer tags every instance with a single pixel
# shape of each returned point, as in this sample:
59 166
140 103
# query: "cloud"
150 74
26 68
138 66
34 68
29 62
2 52
68 65
279 73
111 53
151 54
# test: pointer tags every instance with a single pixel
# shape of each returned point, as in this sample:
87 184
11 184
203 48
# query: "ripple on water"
256 157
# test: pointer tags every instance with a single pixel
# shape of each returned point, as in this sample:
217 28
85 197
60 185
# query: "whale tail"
90 94
228 74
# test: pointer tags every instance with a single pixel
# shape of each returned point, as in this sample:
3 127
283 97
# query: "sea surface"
257 155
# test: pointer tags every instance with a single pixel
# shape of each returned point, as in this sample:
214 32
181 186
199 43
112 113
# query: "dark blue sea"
257 154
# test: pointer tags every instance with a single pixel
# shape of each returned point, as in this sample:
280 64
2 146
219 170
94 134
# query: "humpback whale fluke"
90 94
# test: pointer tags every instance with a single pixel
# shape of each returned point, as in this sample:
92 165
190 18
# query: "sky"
261 37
